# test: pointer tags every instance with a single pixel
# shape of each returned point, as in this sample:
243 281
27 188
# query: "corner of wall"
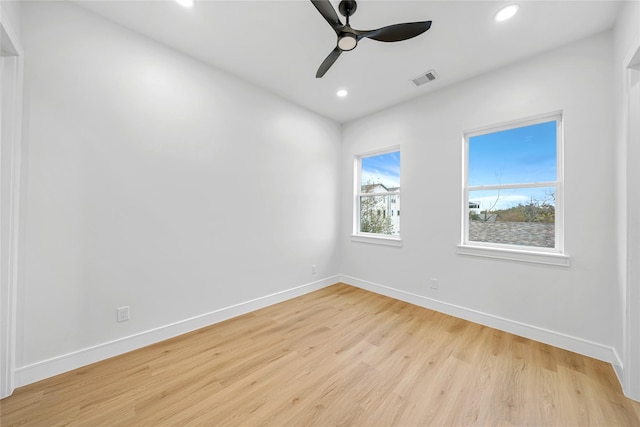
11 16
554 338
86 356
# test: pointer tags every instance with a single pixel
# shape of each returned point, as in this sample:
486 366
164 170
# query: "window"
513 188
377 191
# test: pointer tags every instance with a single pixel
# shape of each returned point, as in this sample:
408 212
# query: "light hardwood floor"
338 356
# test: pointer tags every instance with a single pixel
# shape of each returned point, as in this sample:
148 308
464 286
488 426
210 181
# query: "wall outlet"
314 269
122 313
434 283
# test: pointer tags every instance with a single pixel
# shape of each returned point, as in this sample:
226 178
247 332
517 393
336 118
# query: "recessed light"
506 13
342 93
186 3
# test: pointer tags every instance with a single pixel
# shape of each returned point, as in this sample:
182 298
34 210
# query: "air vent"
423 78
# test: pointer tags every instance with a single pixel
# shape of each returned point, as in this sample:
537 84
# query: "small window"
377 189
513 186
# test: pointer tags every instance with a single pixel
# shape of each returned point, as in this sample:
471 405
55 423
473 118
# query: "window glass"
380 172
513 186
519 216
378 195
520 155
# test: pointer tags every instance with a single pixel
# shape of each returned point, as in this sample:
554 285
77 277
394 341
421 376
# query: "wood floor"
338 356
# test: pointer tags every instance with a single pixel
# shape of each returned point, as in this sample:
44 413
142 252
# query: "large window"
513 186
377 194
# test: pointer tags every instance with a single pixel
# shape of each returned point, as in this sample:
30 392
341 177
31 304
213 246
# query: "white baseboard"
618 367
48 368
556 339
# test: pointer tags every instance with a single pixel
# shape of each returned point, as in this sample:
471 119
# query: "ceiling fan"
348 38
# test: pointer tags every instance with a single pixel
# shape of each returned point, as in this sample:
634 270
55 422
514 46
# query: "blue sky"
383 169
514 156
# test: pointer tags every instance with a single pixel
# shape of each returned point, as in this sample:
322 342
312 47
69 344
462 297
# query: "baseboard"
48 368
45 369
618 367
556 339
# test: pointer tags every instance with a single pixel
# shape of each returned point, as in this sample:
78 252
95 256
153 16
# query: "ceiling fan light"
347 41
506 13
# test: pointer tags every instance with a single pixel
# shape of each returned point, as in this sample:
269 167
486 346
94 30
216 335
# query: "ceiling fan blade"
397 32
328 12
328 62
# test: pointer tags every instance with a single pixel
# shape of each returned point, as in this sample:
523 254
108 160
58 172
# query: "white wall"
157 182
572 307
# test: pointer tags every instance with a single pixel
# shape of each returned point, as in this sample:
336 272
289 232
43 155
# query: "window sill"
376 240
516 255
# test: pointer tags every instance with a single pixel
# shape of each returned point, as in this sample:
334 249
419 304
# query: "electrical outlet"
123 313
314 269
434 283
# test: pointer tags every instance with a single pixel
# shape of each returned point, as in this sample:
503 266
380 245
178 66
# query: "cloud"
386 179
510 198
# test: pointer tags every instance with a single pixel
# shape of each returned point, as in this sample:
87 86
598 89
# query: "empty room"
201 224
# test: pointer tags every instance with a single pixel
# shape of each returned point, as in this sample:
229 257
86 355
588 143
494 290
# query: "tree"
534 211
537 210
474 216
373 216
373 213
489 210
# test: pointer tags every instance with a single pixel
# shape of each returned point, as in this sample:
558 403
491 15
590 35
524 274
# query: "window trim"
364 237
548 258
378 239
553 256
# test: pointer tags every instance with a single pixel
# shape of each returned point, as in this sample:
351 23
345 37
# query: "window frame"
364 237
555 255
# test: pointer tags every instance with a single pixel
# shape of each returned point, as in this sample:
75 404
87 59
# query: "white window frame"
357 235
553 256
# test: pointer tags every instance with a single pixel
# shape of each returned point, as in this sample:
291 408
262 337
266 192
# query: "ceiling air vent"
423 78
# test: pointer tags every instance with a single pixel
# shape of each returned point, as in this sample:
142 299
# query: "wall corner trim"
67 362
12 87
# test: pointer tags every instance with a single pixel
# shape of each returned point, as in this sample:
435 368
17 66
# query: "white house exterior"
390 206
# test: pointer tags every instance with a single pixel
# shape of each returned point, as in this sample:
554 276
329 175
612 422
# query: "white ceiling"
279 45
